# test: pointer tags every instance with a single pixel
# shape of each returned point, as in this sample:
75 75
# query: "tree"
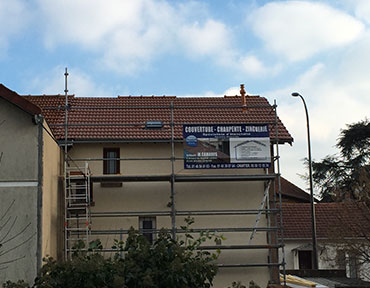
346 173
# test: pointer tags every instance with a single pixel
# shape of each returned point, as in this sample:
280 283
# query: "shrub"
166 263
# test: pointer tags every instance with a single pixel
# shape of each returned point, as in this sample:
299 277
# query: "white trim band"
19 184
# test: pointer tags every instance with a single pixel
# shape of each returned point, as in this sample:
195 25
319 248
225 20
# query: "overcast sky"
115 47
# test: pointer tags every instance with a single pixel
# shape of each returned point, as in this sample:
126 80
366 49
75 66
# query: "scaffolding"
77 222
79 180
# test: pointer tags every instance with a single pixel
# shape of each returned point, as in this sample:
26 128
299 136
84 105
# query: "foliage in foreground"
166 263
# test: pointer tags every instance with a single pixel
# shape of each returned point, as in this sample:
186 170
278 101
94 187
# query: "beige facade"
52 192
189 196
160 192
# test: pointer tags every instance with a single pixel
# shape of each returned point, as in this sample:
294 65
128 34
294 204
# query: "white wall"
327 256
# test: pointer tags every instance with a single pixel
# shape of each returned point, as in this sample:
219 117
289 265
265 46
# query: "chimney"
243 96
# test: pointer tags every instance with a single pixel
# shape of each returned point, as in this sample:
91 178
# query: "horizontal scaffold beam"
108 214
238 247
194 230
220 247
181 178
248 265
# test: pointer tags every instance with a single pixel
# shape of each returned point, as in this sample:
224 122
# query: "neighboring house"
29 171
343 236
291 192
125 167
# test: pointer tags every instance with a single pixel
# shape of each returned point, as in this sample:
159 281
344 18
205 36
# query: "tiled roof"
19 101
119 111
333 220
291 191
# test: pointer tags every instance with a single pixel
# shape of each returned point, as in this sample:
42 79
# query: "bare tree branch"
13 260
6 223
19 245
19 233
7 210
9 230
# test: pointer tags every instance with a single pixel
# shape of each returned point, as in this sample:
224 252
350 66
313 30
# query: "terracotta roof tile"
125 110
289 190
333 220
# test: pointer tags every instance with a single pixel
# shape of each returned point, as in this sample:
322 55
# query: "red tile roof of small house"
19 101
140 109
291 192
333 220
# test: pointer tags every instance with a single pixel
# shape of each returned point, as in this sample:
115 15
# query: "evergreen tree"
347 173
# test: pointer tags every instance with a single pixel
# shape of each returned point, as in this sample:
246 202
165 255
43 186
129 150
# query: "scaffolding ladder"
77 224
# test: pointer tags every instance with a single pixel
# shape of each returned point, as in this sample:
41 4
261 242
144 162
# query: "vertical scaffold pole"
173 207
280 199
65 162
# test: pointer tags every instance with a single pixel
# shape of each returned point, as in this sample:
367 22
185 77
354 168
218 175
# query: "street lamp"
315 264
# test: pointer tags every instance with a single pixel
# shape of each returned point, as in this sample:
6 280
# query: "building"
292 193
343 230
29 173
125 166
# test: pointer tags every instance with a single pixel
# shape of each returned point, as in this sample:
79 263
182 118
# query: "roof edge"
19 101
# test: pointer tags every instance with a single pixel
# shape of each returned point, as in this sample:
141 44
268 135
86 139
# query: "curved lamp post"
313 218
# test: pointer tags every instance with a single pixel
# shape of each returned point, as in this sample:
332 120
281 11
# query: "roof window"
153 124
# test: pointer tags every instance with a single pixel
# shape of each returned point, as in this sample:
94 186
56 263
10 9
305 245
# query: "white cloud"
127 35
300 29
87 22
13 18
336 94
362 10
210 38
253 67
232 91
79 83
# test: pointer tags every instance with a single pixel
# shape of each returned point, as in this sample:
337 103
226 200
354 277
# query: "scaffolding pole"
173 207
280 200
173 178
65 159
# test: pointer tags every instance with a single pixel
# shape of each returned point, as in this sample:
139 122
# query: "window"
110 164
352 266
305 259
341 259
147 225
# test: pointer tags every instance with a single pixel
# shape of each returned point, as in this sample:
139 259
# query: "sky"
320 49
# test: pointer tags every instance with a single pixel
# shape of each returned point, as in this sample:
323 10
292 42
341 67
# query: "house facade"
342 236
29 173
125 167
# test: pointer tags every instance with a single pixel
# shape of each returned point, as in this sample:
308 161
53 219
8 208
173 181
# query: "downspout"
39 119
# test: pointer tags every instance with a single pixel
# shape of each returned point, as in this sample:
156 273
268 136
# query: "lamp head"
296 94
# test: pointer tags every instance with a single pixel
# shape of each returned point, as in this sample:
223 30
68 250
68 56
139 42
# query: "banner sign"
224 146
